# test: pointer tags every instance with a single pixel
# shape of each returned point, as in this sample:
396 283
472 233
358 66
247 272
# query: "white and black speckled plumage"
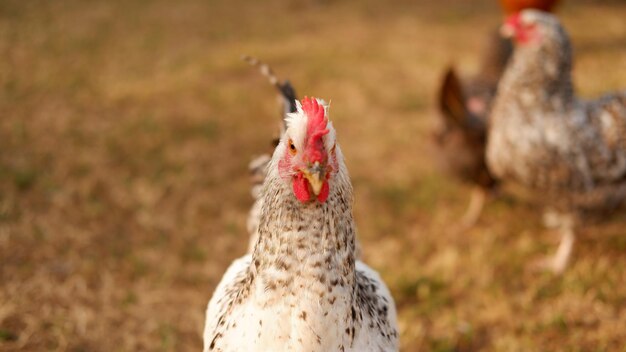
302 289
258 170
571 152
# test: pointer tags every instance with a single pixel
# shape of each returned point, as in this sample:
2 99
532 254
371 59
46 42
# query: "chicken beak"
315 175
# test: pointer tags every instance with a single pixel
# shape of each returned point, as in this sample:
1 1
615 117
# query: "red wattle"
301 188
323 192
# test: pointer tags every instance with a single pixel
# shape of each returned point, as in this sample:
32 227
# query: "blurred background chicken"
464 105
514 6
570 152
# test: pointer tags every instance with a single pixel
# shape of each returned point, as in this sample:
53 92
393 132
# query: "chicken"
464 106
302 288
462 135
570 152
515 6
258 166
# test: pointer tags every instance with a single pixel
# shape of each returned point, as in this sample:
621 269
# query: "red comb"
513 20
315 128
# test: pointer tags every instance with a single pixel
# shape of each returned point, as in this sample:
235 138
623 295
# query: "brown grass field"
125 132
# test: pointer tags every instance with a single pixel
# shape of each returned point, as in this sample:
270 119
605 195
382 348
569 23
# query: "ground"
125 132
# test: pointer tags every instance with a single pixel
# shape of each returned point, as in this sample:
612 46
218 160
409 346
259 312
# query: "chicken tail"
452 100
285 89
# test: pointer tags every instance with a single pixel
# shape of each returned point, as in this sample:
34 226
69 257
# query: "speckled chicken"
464 106
258 166
302 289
571 152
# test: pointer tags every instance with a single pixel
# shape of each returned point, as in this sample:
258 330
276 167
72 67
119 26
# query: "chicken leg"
558 262
474 209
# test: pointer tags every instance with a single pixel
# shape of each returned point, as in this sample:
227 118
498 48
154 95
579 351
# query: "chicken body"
464 108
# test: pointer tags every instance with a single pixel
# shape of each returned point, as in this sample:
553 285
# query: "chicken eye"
292 147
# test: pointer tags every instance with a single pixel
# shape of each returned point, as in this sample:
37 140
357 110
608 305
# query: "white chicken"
302 288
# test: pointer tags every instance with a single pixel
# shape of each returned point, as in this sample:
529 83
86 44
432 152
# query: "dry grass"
126 127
